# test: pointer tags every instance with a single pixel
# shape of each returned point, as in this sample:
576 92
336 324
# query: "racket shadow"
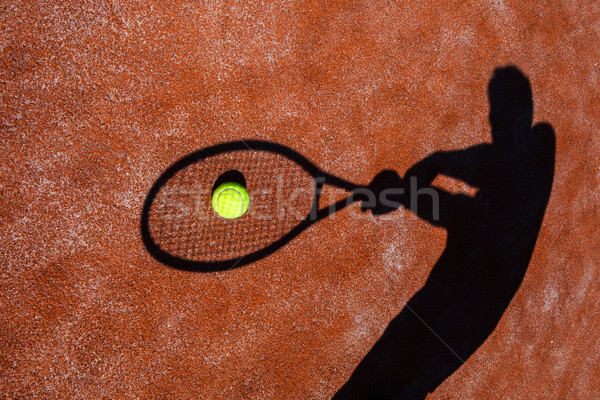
490 242
320 178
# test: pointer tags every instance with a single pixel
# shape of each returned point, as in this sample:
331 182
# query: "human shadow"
490 241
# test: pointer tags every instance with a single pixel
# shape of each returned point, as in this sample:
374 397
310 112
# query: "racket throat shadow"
356 194
383 195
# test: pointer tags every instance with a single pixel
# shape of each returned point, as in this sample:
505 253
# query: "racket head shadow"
185 233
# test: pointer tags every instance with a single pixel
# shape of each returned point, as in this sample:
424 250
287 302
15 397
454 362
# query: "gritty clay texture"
98 98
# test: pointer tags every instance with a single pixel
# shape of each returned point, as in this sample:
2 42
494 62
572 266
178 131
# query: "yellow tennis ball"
230 200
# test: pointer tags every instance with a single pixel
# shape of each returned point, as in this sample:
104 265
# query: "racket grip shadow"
384 194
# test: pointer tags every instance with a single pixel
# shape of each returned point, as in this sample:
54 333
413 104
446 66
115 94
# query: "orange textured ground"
98 98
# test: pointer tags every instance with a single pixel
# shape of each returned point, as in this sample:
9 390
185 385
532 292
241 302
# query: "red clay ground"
98 98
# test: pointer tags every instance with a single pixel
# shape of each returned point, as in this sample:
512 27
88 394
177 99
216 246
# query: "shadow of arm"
433 204
468 165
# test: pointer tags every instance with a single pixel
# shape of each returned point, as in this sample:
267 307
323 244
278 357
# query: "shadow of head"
511 105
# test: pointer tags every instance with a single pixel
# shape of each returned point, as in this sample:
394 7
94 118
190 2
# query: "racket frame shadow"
320 178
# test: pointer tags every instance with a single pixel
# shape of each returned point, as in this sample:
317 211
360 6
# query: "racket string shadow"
320 178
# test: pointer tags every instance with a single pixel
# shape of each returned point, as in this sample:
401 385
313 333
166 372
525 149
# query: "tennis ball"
230 200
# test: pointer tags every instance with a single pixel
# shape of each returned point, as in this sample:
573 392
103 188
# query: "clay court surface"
98 98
